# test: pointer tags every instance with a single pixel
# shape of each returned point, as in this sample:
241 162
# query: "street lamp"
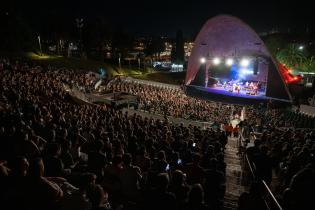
79 22
203 62
139 62
119 60
40 46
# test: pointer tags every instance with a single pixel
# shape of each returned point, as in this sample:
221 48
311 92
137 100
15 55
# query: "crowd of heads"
283 156
290 154
173 102
56 154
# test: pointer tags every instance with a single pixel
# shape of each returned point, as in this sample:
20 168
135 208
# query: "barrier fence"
249 167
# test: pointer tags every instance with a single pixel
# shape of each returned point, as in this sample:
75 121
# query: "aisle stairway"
234 185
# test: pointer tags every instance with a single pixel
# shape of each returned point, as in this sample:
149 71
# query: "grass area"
129 71
61 61
93 65
86 64
75 63
175 78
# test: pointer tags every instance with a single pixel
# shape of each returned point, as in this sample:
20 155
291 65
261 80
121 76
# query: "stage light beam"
202 60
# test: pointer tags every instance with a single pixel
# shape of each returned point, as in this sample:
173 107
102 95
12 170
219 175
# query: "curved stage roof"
225 37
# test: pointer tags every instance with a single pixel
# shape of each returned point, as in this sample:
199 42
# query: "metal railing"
270 201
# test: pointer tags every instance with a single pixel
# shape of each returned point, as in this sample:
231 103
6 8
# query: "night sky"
164 17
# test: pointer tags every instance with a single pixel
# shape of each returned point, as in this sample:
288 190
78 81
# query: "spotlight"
229 62
244 62
301 47
202 60
216 61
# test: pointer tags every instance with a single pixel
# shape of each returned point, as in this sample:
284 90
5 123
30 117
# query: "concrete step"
234 186
230 203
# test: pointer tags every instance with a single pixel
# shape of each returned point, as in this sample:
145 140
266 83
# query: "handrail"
271 194
252 168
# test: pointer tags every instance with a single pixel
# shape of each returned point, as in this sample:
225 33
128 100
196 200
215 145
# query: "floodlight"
202 60
229 62
216 61
245 62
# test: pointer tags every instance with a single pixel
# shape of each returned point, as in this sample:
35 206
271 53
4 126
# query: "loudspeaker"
256 67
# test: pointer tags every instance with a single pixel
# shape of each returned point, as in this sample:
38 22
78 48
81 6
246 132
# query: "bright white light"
216 61
177 65
245 71
301 47
244 62
229 62
202 60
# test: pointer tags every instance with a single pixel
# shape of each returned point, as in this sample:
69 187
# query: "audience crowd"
284 158
173 102
57 154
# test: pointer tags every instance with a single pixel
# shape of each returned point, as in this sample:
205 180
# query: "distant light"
229 62
202 60
301 47
245 62
216 61
177 65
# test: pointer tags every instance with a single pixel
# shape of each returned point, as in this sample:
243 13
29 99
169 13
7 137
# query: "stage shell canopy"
228 38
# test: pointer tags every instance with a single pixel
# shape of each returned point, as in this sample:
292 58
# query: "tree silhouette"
121 43
16 35
178 52
97 34
291 56
154 47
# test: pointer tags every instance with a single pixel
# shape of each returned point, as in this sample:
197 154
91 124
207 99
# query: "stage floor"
222 95
242 93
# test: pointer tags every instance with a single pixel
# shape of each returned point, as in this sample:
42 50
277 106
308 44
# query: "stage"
225 96
232 91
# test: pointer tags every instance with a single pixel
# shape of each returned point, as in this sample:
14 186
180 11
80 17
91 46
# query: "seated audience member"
214 185
39 192
97 159
196 199
98 198
179 187
252 199
195 173
159 198
130 178
53 163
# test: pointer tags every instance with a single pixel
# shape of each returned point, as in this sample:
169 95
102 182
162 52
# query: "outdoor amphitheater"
229 137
